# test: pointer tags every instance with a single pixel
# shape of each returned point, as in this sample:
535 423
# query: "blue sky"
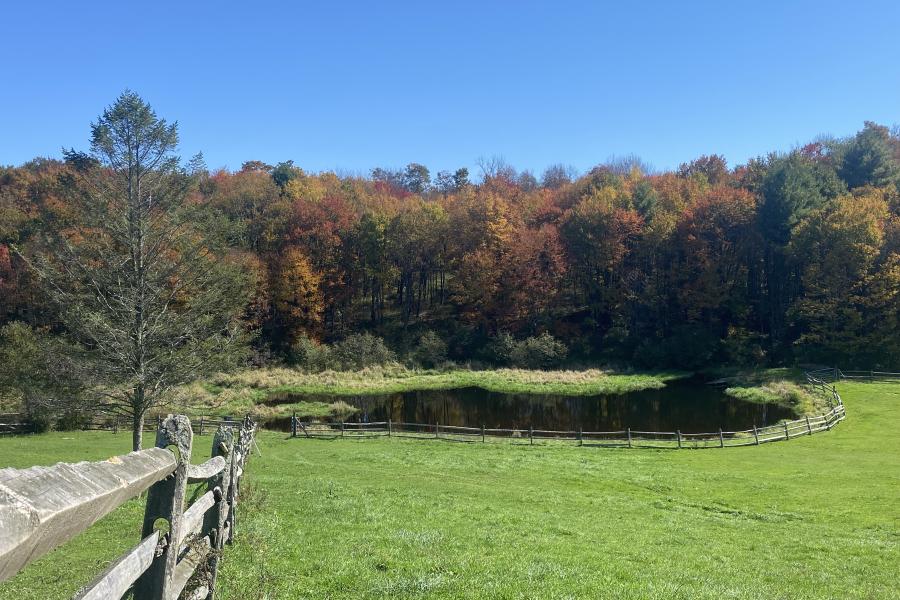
355 85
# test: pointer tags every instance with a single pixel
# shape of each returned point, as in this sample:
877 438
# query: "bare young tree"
139 276
495 167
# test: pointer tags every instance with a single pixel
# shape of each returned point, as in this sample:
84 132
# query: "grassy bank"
244 391
815 517
782 386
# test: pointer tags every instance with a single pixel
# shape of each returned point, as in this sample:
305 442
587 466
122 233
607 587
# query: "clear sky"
354 85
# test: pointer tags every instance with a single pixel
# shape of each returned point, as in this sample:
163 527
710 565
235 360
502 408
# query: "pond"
689 405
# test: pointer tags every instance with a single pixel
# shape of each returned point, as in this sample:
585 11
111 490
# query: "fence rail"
869 375
44 507
16 423
11 423
820 381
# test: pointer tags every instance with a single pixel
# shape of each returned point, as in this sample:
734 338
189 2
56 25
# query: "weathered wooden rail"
819 381
178 555
200 425
15 423
869 375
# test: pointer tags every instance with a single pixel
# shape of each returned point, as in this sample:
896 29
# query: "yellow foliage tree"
849 304
297 295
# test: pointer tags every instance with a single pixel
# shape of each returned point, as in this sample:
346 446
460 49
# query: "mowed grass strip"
816 517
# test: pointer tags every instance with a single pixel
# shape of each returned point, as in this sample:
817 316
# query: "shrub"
37 413
309 354
431 351
361 350
501 348
72 421
539 352
39 369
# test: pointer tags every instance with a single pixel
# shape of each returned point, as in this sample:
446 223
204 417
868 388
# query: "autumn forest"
793 257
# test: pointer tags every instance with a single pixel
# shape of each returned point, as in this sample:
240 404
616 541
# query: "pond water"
688 405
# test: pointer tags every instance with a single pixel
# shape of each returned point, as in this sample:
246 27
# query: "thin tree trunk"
137 431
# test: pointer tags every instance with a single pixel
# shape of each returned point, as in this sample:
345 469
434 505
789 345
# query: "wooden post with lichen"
239 456
217 518
721 439
165 501
756 435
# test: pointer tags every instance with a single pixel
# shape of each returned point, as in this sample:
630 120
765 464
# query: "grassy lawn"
815 517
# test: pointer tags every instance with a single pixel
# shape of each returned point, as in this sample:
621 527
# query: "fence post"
116 425
342 429
201 426
808 426
165 500
629 437
756 435
437 429
530 435
214 523
242 449
482 433
678 433
580 437
787 436
294 425
721 439
232 494
158 422
390 427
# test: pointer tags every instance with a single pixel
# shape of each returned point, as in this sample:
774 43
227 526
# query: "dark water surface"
688 405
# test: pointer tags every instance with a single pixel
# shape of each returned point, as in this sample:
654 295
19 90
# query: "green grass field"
815 517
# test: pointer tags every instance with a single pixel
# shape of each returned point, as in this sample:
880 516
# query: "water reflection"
690 406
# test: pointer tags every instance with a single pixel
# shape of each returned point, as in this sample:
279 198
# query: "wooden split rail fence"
626 438
200 425
181 546
869 375
16 423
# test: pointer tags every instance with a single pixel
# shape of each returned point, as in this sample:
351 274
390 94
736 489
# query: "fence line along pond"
819 382
689 405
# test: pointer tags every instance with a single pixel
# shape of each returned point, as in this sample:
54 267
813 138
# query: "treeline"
791 257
